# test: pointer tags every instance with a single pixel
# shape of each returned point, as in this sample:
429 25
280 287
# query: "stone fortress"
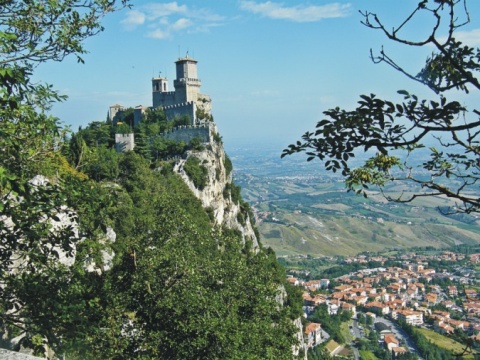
185 100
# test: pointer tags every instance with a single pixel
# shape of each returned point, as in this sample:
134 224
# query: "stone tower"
186 99
160 94
187 85
159 84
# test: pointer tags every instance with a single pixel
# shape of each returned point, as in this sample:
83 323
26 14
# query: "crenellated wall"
187 133
186 108
163 98
186 100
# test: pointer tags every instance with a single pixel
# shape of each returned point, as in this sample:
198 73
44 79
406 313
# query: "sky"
270 67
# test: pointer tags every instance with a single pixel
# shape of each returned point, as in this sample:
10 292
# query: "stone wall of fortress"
187 133
182 109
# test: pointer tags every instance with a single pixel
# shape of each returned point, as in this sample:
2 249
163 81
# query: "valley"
301 209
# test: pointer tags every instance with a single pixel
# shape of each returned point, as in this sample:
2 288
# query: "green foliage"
398 130
294 300
196 144
318 353
41 298
172 286
183 120
367 355
361 319
56 29
99 134
202 115
156 116
227 190
425 348
241 218
217 138
197 172
104 164
123 128
175 288
210 213
331 323
235 192
228 165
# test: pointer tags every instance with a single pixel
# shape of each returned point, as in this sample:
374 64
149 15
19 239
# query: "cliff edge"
217 192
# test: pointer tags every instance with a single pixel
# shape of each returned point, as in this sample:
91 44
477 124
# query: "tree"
37 31
400 131
179 288
39 294
369 320
361 319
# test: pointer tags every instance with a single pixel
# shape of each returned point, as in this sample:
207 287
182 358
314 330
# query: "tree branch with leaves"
399 131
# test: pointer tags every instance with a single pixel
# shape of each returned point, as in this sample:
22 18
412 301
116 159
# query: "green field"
322 235
319 218
367 355
303 211
445 342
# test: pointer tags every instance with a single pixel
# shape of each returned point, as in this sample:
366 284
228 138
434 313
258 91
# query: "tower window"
156 87
164 87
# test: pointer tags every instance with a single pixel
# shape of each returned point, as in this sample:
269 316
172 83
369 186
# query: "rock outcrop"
216 195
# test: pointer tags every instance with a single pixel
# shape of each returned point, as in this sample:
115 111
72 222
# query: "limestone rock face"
13 355
216 196
301 341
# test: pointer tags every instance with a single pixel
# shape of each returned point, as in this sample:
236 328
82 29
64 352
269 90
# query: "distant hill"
302 210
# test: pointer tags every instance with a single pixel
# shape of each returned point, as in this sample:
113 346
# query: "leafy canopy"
170 286
39 293
399 131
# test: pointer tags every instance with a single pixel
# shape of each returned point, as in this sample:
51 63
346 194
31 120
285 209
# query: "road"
399 333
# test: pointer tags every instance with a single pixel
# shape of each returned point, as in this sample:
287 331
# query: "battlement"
187 133
176 106
188 80
199 126
187 108
166 93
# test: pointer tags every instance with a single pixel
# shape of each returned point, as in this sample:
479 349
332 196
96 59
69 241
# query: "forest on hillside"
108 255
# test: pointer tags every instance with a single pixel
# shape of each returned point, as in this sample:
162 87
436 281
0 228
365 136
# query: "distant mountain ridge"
302 210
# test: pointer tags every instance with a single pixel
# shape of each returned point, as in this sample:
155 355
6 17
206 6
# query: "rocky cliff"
216 195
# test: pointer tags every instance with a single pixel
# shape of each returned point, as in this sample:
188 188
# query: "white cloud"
133 19
181 24
206 15
164 20
470 38
154 11
158 34
298 13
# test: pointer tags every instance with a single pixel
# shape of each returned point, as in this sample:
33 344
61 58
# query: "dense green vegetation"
425 347
169 284
371 347
331 323
180 290
197 172
174 287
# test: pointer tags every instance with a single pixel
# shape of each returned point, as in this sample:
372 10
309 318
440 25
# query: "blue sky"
271 67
